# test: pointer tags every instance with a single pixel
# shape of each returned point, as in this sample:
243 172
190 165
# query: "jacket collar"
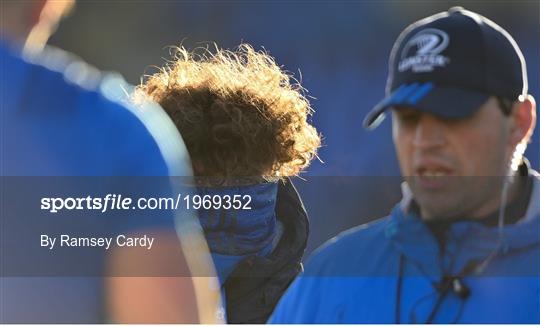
255 286
467 241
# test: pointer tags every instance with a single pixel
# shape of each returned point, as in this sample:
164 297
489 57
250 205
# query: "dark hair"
505 104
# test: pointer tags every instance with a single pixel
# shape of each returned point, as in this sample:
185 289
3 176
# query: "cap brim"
446 102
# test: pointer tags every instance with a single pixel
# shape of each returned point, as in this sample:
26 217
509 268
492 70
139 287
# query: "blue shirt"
54 125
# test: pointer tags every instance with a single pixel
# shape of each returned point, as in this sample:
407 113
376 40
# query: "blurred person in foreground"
245 125
57 123
463 246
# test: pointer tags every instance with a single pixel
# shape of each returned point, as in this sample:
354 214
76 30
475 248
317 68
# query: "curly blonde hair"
239 113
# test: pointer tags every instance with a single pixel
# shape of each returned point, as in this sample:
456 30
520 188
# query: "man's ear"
523 120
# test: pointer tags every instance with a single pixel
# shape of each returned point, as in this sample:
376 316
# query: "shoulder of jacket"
68 67
354 240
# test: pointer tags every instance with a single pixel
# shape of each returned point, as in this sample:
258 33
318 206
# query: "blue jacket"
388 272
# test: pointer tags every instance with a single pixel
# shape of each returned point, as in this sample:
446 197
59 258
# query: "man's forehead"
491 104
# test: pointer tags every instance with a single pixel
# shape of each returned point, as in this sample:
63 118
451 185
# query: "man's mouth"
433 173
432 177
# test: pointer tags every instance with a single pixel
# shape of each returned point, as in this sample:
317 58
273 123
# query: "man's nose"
429 132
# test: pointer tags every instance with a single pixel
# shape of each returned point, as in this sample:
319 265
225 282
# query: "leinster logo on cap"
422 52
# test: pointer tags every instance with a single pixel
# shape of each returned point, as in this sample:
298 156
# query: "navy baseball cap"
449 64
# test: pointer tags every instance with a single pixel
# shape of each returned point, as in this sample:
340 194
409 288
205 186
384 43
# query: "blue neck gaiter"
234 234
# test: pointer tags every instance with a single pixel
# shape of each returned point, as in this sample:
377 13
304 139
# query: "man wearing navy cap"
463 245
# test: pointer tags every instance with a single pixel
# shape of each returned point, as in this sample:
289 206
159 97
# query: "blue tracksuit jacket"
391 271
51 126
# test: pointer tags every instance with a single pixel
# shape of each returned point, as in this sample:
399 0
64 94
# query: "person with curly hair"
245 124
